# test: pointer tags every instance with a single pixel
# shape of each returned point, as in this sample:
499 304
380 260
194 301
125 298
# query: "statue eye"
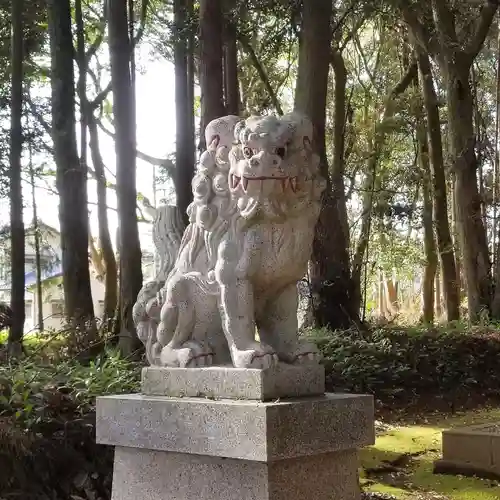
281 152
247 152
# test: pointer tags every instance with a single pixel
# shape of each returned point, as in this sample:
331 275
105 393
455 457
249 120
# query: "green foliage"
35 393
405 365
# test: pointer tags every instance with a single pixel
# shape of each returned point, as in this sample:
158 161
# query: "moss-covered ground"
401 461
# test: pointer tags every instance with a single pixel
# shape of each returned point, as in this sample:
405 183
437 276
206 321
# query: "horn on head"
221 129
240 126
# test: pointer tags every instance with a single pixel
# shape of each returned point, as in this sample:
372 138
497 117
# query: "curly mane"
212 208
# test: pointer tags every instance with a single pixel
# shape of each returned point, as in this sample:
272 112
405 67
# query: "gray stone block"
156 475
219 382
239 429
471 451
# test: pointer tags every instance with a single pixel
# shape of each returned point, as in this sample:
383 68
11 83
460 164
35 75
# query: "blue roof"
54 272
30 278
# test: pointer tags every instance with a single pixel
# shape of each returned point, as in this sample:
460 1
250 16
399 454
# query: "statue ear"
221 129
237 130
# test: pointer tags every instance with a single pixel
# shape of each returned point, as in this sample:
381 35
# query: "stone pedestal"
284 441
471 451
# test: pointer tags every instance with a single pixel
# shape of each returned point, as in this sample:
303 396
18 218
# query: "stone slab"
239 429
157 475
219 382
472 450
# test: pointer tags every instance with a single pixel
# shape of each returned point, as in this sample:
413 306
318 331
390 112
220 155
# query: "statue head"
270 165
259 168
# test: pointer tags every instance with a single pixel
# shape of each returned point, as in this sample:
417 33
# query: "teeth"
235 180
264 186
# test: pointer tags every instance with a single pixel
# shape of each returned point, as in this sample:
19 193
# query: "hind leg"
178 346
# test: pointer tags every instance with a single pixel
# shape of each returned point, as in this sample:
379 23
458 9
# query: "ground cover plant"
423 380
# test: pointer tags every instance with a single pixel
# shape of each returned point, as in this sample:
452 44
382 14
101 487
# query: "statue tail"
168 229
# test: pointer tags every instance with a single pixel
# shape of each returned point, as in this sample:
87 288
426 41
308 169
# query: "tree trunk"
454 229
211 57
111 274
391 293
133 69
71 178
338 165
36 231
88 121
191 72
330 276
455 64
444 240
231 82
17 254
472 234
429 242
369 186
81 91
185 149
495 307
125 146
82 82
437 297
480 157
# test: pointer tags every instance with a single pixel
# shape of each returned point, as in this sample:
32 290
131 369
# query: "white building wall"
53 304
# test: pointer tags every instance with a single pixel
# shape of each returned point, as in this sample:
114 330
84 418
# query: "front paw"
305 353
190 355
256 355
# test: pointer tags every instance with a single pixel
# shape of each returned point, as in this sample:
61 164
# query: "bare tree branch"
40 118
103 94
421 32
94 47
352 32
165 163
488 12
405 81
359 48
100 97
445 23
142 23
247 46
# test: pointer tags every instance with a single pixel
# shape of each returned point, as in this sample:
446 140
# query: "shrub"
406 364
30 390
47 427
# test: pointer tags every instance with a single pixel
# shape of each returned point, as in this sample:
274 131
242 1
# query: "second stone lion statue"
232 279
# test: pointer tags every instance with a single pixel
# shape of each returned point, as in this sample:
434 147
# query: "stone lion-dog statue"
226 292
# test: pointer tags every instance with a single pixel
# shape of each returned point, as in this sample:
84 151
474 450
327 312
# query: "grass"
34 340
414 476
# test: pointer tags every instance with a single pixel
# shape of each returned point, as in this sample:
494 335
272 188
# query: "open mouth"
286 182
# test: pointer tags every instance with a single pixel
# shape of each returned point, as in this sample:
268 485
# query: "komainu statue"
227 292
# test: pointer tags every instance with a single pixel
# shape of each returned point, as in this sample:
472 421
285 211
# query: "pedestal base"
202 449
153 475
